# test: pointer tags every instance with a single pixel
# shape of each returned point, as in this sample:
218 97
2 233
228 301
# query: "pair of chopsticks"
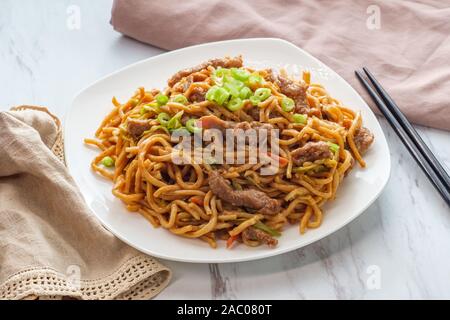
408 135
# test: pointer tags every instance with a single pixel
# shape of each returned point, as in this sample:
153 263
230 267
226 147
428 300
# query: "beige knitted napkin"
51 245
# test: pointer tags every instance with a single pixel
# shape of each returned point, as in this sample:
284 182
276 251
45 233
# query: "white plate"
88 109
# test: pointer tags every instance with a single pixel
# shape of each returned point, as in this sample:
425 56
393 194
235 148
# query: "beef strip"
295 90
136 127
311 151
363 139
227 62
254 234
250 198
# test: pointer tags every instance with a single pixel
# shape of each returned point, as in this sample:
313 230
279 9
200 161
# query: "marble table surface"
398 248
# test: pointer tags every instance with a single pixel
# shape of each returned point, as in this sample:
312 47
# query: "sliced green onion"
235 104
219 74
263 93
261 226
175 122
233 90
236 185
254 100
245 93
240 74
233 86
152 106
108 161
221 95
162 99
333 147
180 98
255 79
210 94
191 126
234 82
163 118
287 104
300 118
320 168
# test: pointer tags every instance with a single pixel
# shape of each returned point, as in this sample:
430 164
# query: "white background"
404 237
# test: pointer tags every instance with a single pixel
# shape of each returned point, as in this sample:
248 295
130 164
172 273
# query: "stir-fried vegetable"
236 186
255 80
231 240
262 93
245 93
175 121
108 161
282 161
163 118
191 126
197 200
333 147
240 74
162 99
287 104
179 98
254 100
263 227
235 104
300 118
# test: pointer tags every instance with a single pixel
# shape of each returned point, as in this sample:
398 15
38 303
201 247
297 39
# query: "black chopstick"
432 175
409 129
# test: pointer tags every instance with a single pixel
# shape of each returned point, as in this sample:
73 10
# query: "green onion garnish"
262 93
287 104
240 74
333 146
221 72
108 161
245 93
235 104
175 122
255 79
221 95
254 100
232 89
300 118
210 94
162 99
191 126
152 106
261 226
217 94
163 118
179 98
236 83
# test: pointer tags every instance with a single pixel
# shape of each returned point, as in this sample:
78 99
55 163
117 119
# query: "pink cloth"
409 53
